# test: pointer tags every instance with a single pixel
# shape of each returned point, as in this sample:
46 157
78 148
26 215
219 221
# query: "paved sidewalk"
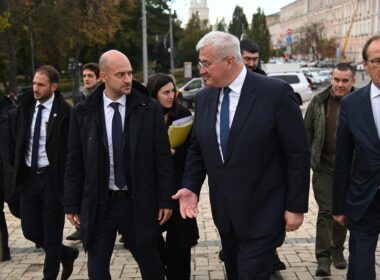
297 252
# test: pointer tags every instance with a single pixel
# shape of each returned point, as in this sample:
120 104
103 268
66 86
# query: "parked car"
360 67
312 74
297 80
189 91
325 76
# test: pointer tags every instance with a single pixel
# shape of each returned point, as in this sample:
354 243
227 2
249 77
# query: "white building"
200 7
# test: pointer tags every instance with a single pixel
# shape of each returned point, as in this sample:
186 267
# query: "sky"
225 8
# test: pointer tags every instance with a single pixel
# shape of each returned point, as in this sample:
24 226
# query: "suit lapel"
134 122
246 101
52 118
368 113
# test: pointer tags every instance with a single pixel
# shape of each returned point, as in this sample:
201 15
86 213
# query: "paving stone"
297 252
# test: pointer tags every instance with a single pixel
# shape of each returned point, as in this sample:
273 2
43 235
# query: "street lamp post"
144 41
171 40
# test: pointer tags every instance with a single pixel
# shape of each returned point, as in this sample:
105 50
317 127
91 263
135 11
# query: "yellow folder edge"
178 134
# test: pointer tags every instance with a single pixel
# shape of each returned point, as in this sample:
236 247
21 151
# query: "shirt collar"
237 84
48 103
375 91
122 100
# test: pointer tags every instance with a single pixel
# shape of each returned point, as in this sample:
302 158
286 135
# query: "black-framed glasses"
206 65
375 62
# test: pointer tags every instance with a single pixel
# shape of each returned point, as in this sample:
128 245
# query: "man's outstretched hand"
188 203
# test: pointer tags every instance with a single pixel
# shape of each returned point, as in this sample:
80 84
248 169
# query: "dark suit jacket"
147 159
267 165
56 139
357 162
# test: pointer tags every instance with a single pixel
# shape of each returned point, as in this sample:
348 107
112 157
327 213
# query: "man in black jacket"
5 165
119 173
42 120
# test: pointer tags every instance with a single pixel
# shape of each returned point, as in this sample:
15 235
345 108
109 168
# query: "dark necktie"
36 138
225 121
117 143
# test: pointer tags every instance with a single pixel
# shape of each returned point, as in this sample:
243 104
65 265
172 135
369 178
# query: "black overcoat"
149 167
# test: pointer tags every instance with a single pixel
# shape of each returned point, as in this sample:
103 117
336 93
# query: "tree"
221 25
194 31
328 47
12 13
260 34
129 38
162 56
311 39
239 24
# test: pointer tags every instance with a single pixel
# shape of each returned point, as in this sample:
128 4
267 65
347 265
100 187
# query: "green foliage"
239 23
221 25
194 31
260 34
4 21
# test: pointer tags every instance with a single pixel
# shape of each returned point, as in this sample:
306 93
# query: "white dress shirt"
235 87
45 114
108 114
375 103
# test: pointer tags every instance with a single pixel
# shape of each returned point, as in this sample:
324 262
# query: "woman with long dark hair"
181 234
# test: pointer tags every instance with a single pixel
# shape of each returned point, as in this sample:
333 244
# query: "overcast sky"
225 8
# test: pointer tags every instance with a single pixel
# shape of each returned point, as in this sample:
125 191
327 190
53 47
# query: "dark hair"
366 45
249 46
94 67
50 72
156 82
346 67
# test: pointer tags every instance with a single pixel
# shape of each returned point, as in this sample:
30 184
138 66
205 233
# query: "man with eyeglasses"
250 53
356 194
253 148
251 58
321 122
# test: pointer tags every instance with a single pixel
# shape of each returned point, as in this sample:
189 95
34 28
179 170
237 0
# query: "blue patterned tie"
36 138
225 121
117 143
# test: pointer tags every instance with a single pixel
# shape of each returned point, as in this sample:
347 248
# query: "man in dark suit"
356 195
42 121
249 138
119 174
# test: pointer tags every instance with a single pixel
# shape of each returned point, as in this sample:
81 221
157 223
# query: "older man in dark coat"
119 174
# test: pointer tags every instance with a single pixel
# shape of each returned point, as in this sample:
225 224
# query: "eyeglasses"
207 65
375 62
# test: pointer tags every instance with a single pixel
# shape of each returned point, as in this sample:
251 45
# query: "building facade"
200 7
336 15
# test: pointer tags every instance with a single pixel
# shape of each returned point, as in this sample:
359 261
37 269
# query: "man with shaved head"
119 174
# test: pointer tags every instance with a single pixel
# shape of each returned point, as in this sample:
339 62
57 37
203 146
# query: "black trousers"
42 220
119 217
249 259
364 235
3 229
176 259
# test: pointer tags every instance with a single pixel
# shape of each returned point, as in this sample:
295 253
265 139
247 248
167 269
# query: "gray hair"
224 44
